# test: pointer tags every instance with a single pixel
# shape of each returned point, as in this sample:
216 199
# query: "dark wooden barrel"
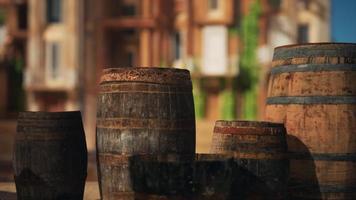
260 149
50 156
205 176
312 89
141 111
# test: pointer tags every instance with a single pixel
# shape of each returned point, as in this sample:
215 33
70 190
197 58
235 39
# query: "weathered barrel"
312 89
260 149
50 156
205 176
141 111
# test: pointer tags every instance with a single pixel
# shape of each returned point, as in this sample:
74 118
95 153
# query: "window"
177 45
54 11
53 60
128 10
275 4
214 50
2 16
22 16
213 4
131 58
303 33
303 4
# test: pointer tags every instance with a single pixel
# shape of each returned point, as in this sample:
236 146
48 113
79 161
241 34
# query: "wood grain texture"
312 91
141 111
50 156
260 149
205 176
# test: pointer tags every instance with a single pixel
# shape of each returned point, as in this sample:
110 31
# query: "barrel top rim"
156 75
313 44
249 124
111 69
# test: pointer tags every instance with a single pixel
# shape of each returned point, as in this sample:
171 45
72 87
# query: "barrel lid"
158 75
324 49
249 124
49 115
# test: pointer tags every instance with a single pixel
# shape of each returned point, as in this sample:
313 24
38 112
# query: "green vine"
199 97
228 104
17 96
249 70
2 16
250 104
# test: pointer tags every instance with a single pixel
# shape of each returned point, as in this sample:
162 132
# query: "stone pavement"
8 191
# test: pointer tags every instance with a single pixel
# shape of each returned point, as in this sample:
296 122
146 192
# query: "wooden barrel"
312 89
260 149
205 176
141 111
50 156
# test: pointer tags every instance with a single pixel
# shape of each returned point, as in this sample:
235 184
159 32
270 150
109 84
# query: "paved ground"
8 191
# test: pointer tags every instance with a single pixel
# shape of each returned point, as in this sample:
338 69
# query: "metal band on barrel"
131 123
307 187
312 100
312 68
323 156
243 131
348 50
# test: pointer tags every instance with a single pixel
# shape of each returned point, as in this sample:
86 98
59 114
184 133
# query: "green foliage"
249 69
2 16
19 64
17 96
233 31
227 99
199 99
250 107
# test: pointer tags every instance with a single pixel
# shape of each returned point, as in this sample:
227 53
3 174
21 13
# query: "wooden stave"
235 184
335 99
56 180
313 50
253 157
152 88
169 125
248 137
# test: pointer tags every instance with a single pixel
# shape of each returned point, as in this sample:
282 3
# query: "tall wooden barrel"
141 111
312 89
50 156
260 149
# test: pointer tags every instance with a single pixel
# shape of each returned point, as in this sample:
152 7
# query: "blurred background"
53 51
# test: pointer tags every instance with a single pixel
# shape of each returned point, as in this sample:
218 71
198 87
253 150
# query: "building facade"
54 55
64 44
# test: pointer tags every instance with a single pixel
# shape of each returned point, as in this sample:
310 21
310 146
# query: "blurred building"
53 71
13 44
59 47
200 35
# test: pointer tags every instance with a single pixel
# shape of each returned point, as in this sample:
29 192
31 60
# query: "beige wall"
67 34
318 19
